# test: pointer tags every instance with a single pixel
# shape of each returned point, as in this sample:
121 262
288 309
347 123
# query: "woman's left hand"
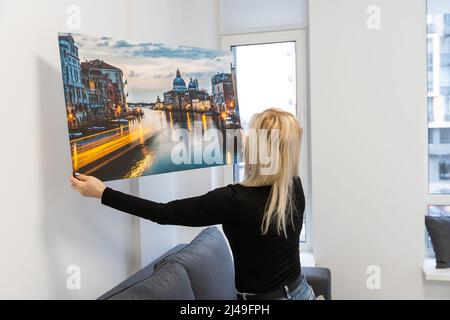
88 186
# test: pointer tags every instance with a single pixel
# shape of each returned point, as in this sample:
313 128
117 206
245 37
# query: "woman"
261 217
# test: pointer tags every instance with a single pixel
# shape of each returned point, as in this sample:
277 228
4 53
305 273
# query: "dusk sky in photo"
150 68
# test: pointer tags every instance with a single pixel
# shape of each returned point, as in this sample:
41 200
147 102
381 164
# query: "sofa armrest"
320 280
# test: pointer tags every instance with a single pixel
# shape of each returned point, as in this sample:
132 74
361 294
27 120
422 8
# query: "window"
444 135
438 63
266 77
430 109
271 72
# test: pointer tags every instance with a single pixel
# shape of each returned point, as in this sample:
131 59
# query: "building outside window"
438 41
438 66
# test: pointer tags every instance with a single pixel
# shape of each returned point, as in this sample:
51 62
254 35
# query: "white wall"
45 225
193 22
368 122
238 16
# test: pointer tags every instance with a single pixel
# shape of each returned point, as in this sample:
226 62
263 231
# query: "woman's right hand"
87 186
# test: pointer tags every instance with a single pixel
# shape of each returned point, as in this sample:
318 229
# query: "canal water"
158 136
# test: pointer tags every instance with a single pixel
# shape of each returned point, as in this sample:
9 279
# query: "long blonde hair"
284 148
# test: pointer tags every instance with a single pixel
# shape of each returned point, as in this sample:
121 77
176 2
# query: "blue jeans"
302 292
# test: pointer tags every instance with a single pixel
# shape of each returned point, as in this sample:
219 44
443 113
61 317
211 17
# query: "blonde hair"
284 148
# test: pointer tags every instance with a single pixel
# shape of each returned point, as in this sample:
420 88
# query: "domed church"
178 83
182 97
193 85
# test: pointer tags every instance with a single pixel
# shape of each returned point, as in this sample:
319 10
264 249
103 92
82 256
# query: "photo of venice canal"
127 102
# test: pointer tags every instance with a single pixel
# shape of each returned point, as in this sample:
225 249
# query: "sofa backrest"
170 281
209 265
205 264
141 275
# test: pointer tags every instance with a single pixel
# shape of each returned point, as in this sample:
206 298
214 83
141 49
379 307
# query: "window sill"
432 274
307 259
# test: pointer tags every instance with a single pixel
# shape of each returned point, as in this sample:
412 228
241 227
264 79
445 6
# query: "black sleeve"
212 208
299 196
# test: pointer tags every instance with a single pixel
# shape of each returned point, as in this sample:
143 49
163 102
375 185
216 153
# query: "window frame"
300 37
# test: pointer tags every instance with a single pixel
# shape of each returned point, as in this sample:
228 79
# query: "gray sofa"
201 270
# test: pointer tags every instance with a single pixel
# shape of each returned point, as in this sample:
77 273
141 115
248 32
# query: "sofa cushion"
439 231
208 263
168 282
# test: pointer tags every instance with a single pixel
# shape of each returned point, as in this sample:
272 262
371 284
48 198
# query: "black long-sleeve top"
262 262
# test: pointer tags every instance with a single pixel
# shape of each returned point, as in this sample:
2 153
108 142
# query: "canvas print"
141 108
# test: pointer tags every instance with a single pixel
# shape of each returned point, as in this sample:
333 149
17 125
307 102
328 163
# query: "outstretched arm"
209 209
194 212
